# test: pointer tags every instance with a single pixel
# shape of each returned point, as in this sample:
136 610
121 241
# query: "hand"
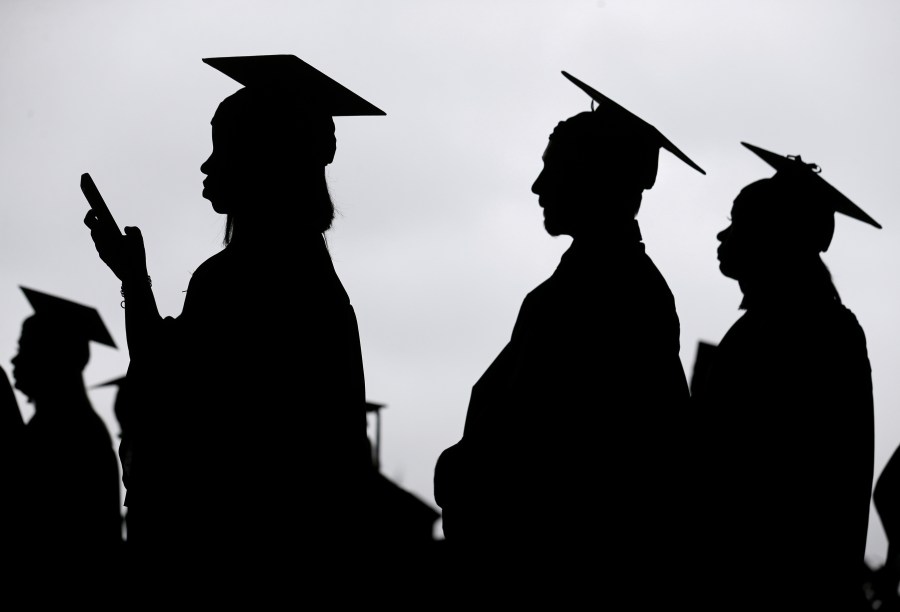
125 255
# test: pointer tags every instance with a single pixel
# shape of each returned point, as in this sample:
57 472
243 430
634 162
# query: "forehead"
559 151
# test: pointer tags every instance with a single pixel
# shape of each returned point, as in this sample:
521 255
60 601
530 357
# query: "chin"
219 207
726 271
554 228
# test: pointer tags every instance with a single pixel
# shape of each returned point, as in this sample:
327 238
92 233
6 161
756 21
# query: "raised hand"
125 255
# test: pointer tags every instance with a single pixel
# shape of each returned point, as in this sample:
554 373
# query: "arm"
126 257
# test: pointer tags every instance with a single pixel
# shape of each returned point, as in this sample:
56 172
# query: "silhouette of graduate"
562 462
785 415
68 494
247 411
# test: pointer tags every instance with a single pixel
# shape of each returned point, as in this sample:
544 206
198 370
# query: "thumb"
134 234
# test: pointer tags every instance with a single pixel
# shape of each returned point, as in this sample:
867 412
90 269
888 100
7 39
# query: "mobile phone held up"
97 204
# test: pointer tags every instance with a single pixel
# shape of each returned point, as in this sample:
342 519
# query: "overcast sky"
439 237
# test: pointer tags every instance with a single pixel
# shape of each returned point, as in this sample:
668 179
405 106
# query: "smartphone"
97 204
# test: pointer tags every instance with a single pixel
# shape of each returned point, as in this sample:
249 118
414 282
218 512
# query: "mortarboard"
794 167
79 319
290 74
606 105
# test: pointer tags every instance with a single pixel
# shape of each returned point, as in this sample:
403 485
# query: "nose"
723 235
205 166
536 186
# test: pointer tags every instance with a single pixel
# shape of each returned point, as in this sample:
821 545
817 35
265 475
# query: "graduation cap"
77 320
630 122
291 75
808 177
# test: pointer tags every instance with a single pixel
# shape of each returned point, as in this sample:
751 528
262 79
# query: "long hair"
316 211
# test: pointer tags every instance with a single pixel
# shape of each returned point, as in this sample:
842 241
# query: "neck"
267 233
616 233
66 395
792 282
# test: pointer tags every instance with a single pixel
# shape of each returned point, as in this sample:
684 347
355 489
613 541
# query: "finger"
134 233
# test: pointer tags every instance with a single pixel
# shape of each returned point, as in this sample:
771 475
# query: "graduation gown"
69 491
568 437
786 440
249 430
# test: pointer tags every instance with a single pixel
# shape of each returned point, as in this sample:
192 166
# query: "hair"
793 207
294 140
319 214
606 139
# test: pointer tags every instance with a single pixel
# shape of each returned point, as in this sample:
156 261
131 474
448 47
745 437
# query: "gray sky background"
439 237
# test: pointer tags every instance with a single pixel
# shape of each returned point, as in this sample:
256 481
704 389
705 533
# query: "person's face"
27 367
224 184
247 168
563 192
745 246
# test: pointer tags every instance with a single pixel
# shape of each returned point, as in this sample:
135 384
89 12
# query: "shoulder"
213 268
846 328
649 279
210 278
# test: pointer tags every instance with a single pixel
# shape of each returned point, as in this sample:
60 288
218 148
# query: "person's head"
594 174
269 159
596 167
272 140
773 226
781 224
54 344
48 353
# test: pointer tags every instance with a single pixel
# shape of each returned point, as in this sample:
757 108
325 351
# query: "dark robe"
786 438
247 420
70 492
566 456
885 580
12 430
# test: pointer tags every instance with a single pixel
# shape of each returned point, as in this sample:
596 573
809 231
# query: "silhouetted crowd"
589 470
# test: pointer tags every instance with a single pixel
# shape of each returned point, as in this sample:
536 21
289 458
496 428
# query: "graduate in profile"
247 412
784 416
563 462
66 492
